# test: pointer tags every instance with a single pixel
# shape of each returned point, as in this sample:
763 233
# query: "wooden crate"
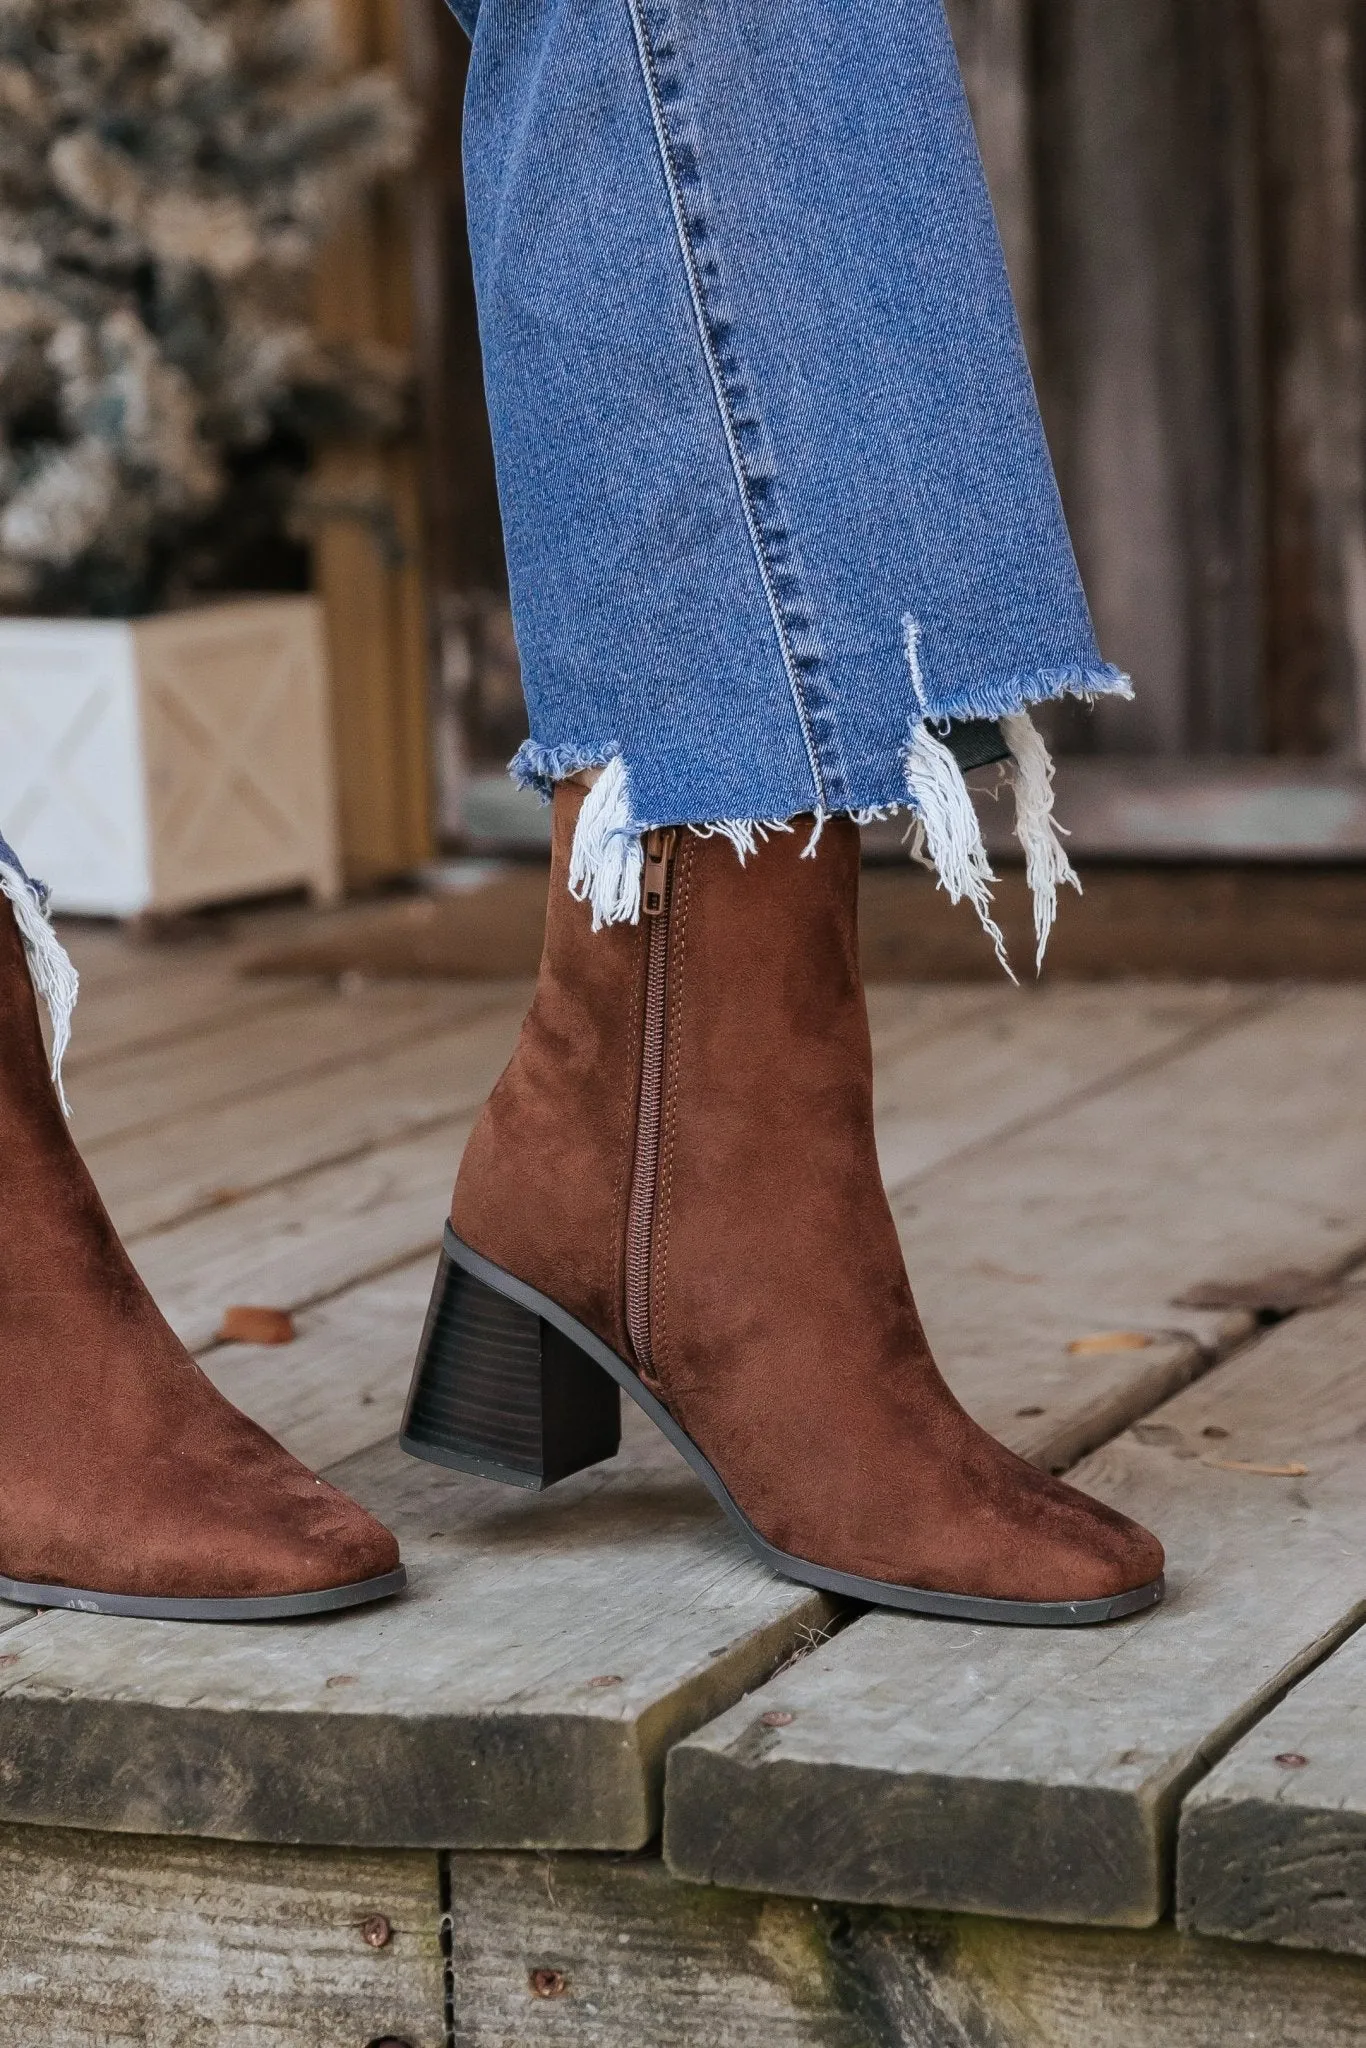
166 763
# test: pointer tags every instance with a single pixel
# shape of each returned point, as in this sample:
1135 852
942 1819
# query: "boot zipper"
640 1222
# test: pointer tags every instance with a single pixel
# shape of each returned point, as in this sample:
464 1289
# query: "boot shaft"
720 1046
678 1175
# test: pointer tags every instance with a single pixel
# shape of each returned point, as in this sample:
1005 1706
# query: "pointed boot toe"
1114 1558
199 1515
674 1192
315 1540
130 1485
1057 1545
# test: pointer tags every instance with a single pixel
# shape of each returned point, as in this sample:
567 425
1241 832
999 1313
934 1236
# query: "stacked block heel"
500 1392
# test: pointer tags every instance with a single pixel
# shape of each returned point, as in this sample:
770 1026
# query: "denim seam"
687 228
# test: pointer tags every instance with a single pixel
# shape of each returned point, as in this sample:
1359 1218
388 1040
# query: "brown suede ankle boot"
130 1486
674 1190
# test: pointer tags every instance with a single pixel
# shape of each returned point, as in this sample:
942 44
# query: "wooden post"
1314 67
1151 356
368 542
994 43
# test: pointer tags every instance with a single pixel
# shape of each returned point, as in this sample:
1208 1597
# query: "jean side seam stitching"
743 482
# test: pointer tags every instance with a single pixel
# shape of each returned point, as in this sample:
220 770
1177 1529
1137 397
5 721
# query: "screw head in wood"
376 1931
547 1983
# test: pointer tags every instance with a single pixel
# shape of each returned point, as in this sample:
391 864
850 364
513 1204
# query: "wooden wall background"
1181 186
1183 197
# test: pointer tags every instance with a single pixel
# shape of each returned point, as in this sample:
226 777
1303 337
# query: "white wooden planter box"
170 762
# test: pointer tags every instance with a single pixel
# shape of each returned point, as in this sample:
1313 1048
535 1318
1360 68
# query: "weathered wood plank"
306 1238
1028 1054
100 951
340 1387
902 1012
144 1943
1234 1158
467 1715
140 992
216 1155
634 1959
475 1688
464 1714
161 1007
1039 1774
319 1028
988 1984
301 1240
1273 1842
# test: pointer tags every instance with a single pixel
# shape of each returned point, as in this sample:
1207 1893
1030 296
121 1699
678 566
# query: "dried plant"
168 171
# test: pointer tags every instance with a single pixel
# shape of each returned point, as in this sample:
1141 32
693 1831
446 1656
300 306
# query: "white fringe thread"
606 861
947 833
54 977
607 858
946 827
1047 868
746 835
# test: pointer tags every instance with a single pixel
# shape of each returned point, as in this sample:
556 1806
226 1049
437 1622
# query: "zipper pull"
659 853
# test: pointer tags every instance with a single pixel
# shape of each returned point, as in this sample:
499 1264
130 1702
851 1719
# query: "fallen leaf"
1259 1471
1110 1340
243 1325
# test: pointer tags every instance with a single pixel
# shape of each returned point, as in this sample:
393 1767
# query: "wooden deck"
440 1822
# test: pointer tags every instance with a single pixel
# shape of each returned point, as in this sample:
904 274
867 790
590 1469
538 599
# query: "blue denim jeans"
777 500
10 859
54 977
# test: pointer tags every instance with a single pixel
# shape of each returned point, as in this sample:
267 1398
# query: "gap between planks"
386 1207
1242 1159
1040 1776
318 1032
492 1659
645 1961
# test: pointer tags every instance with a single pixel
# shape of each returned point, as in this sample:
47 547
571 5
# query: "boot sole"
257 1607
508 1386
